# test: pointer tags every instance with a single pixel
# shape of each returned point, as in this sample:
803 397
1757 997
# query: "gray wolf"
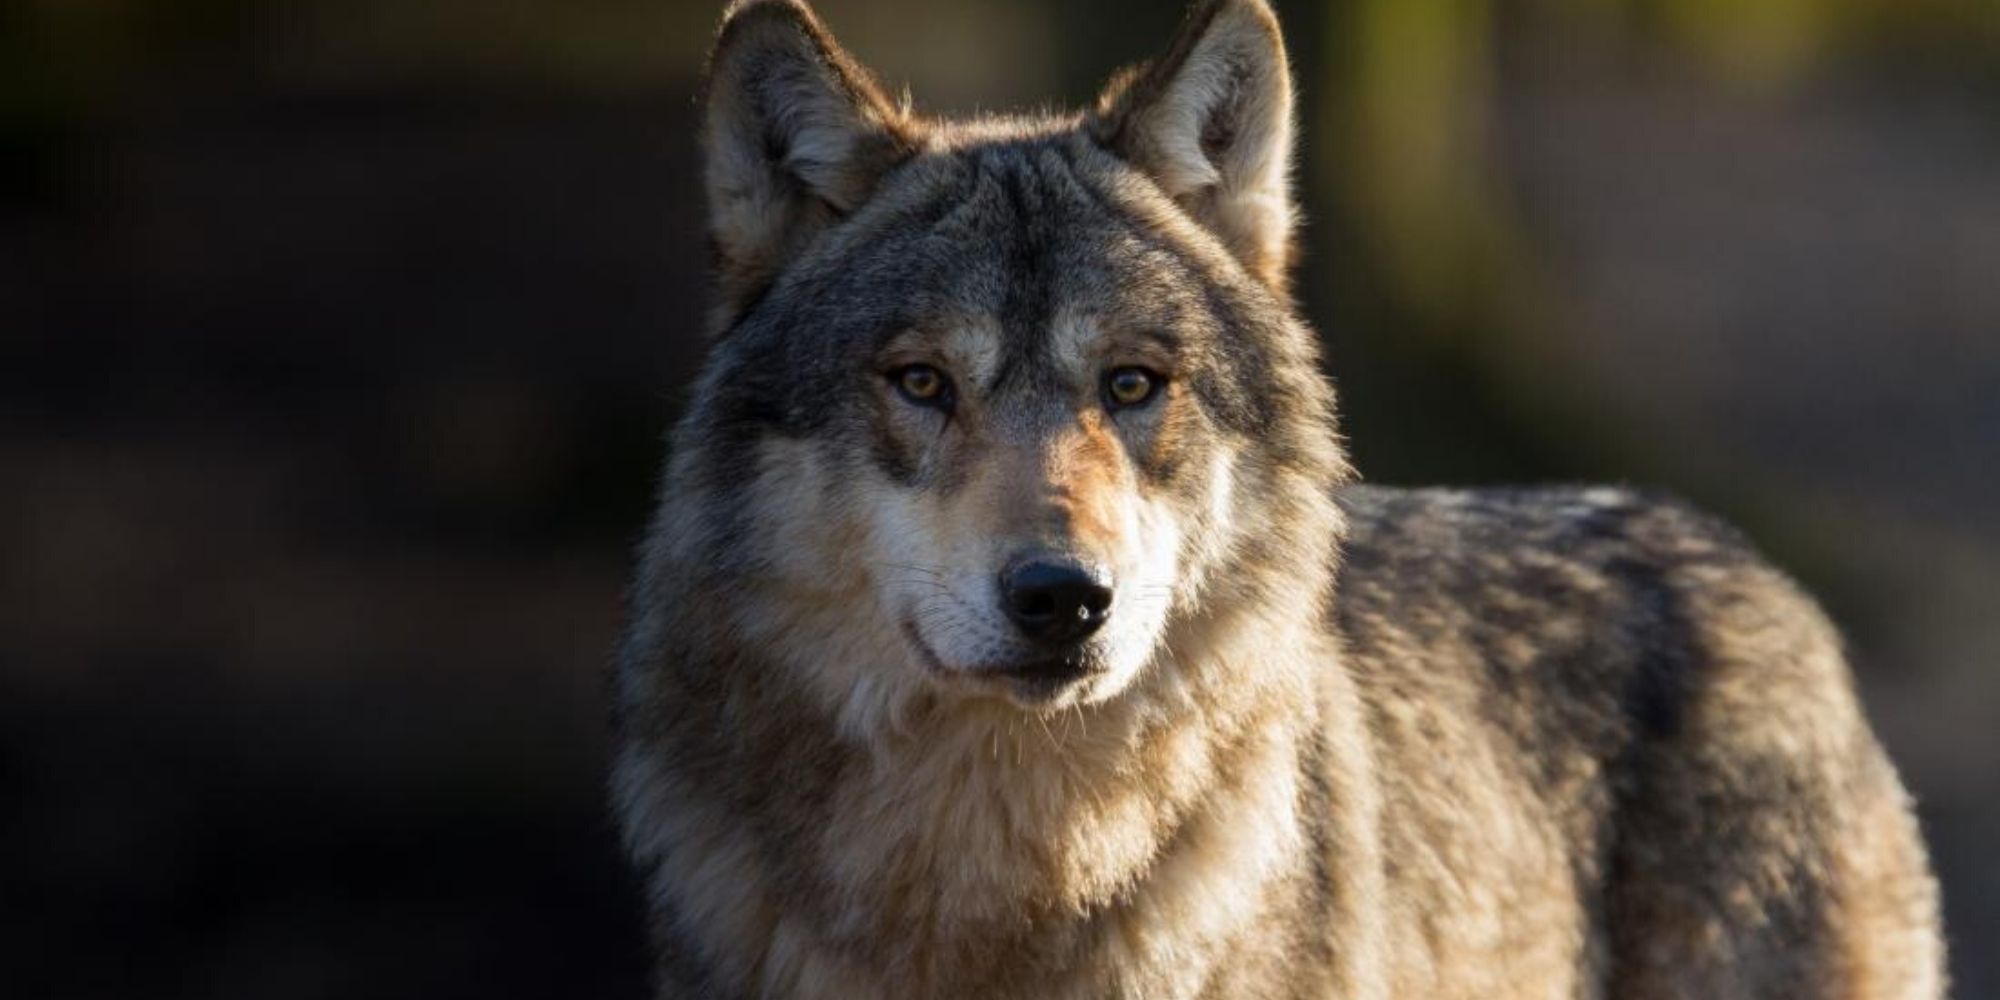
1011 624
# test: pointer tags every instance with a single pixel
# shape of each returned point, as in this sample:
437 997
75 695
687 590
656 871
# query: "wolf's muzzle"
1055 601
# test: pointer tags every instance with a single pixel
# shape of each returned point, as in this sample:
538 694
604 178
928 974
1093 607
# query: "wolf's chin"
1034 684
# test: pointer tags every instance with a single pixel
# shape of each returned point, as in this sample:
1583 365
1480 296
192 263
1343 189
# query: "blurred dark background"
336 337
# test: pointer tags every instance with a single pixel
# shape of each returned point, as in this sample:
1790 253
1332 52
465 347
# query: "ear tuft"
796 136
1211 122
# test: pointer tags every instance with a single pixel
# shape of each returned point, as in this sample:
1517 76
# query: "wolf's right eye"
1127 387
923 385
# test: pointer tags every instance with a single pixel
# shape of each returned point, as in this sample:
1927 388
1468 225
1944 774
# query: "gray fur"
1337 741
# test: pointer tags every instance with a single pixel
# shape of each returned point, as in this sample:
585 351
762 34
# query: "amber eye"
922 385
1130 386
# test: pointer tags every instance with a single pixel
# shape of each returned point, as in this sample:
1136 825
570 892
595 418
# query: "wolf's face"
1031 411
995 405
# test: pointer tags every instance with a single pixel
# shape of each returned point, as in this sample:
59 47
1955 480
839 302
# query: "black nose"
1054 600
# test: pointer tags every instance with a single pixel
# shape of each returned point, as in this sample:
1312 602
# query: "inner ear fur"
796 135
1211 122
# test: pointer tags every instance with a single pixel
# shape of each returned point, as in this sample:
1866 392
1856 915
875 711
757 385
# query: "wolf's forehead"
1026 247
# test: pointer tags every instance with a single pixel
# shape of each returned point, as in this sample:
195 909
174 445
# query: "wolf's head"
1009 407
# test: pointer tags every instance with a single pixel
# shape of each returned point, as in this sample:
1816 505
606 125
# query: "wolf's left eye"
923 385
1125 387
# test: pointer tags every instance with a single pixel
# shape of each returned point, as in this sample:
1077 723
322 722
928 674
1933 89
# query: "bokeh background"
336 337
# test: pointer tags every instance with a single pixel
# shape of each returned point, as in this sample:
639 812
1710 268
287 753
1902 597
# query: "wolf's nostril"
1055 600
1035 603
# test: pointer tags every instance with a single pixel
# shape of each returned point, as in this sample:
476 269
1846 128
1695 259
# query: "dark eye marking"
924 385
1131 386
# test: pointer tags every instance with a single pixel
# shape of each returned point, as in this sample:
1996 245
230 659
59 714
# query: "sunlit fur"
1332 741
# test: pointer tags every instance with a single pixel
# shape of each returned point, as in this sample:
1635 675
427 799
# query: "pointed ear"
1211 122
796 136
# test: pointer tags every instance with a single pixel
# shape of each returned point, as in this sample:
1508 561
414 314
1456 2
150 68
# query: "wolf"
1011 624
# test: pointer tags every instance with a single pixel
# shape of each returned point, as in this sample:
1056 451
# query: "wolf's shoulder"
1634 567
1562 611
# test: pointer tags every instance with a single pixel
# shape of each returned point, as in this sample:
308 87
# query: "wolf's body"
1297 738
